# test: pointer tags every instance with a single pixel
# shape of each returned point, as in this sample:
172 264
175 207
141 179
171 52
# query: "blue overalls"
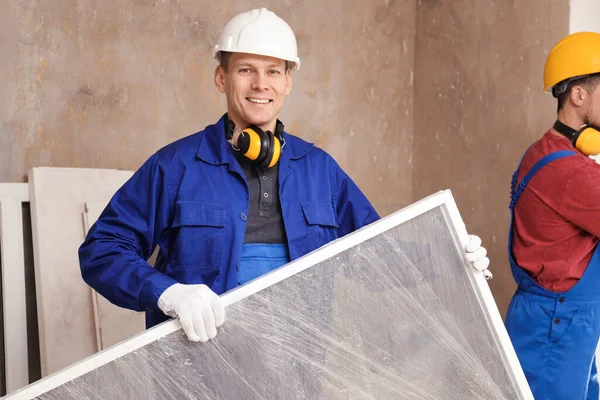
258 259
555 335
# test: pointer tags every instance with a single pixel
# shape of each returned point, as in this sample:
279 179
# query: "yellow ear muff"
258 146
588 142
276 151
254 144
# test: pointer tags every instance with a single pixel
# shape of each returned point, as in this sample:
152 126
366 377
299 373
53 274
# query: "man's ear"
220 79
578 95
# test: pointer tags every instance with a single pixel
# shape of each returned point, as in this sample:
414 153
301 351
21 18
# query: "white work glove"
199 310
477 256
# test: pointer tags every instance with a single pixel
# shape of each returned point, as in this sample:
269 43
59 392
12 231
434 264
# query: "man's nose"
259 82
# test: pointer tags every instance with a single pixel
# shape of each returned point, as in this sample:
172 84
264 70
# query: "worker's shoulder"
574 166
208 144
582 168
300 148
552 144
573 171
184 147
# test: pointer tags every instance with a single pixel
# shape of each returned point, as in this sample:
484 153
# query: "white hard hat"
259 31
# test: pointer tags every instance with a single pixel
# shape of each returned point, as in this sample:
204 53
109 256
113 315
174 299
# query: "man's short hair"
224 57
589 83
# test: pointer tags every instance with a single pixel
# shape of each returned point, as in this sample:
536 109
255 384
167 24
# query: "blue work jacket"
191 200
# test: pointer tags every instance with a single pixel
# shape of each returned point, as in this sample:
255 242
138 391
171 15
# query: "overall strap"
517 190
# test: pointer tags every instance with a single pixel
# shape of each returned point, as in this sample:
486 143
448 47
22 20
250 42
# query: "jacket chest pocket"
200 235
322 225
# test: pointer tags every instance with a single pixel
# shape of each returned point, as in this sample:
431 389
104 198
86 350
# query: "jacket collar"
214 148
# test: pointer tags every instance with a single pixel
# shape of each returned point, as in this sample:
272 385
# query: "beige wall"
479 104
90 83
104 84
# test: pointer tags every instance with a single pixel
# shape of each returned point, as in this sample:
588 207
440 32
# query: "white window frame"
12 197
443 198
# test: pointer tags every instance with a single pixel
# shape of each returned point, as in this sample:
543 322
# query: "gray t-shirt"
265 220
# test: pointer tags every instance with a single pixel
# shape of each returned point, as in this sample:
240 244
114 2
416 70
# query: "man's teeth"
259 101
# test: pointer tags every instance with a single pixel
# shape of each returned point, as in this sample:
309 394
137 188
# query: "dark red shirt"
557 218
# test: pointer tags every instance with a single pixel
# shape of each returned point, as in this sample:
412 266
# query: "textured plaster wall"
409 96
479 103
90 83
104 84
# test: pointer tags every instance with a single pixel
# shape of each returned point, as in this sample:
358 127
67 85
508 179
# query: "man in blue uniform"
229 203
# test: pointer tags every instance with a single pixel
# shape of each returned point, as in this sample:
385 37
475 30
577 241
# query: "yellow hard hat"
576 55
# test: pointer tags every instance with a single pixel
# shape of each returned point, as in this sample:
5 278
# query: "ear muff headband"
586 140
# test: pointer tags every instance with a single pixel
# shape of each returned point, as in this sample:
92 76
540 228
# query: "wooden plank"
12 196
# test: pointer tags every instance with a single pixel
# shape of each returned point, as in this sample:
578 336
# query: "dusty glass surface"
396 317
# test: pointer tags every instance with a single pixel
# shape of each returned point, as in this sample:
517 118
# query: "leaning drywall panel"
390 311
14 312
113 324
65 312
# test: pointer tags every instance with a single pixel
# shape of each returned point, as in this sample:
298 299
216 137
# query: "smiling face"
255 87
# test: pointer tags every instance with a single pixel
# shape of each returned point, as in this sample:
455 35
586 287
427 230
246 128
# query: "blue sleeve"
113 256
352 207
